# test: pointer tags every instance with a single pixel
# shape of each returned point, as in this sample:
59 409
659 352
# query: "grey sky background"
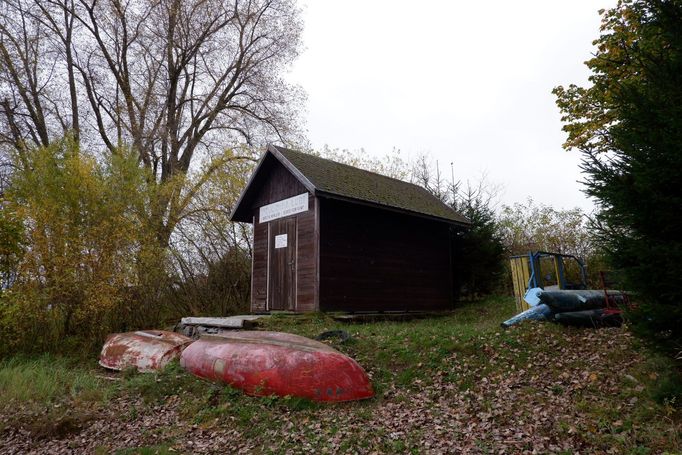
467 82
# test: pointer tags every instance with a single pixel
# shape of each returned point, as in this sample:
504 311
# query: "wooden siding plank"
259 286
377 260
307 260
281 185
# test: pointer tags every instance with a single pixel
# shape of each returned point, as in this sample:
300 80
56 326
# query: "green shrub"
83 236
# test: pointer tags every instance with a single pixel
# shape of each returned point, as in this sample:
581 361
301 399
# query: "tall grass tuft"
47 379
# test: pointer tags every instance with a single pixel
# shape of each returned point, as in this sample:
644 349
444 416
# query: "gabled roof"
326 178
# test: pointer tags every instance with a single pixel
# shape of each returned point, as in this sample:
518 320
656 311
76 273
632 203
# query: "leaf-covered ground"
454 384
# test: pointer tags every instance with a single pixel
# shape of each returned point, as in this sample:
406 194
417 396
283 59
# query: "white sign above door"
285 207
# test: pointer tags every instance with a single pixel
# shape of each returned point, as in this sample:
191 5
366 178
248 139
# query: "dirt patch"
61 427
49 425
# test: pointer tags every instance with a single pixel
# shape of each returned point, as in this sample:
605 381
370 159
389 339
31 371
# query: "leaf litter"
536 388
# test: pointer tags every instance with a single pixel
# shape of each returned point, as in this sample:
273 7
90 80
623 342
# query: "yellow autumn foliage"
84 237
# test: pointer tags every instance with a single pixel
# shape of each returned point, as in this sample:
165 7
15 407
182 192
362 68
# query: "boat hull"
274 363
144 350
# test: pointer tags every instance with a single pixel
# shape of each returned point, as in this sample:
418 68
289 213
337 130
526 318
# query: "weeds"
48 378
616 395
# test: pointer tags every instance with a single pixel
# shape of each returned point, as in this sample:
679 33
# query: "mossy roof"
339 180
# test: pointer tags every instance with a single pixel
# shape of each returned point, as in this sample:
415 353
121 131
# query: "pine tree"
628 127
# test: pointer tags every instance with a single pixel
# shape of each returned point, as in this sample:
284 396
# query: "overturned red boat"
274 363
145 350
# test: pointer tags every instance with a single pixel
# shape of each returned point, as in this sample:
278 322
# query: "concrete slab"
196 326
230 322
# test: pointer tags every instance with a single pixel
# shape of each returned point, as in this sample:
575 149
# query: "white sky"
467 81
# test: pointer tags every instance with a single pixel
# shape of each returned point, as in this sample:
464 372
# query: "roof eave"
272 150
234 216
390 208
293 169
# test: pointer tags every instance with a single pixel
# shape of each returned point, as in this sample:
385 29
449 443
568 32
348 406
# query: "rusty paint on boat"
145 350
274 363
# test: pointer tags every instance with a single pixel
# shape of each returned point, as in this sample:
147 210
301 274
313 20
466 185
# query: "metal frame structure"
525 270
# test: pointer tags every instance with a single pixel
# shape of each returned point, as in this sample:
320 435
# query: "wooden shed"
332 237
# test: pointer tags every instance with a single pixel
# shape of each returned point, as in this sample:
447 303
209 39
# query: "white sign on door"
281 241
285 207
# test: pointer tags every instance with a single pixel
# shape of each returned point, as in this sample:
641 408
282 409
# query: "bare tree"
481 243
172 79
425 173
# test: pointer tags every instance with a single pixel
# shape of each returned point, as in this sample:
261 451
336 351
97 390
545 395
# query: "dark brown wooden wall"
306 260
280 184
378 260
259 267
277 183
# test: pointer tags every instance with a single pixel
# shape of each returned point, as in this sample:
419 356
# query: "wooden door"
282 265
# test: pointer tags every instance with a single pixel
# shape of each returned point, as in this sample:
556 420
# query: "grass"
46 379
462 356
405 352
49 396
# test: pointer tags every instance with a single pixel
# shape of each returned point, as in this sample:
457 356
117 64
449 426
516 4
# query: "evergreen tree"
481 268
628 127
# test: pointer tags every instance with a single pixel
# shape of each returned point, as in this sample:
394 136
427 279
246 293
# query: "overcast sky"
468 82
